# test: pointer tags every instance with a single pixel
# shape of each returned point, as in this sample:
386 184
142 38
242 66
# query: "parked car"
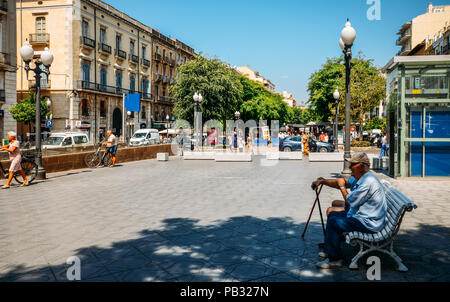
290 144
66 139
319 146
144 137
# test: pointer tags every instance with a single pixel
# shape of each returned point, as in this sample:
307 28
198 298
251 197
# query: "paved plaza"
201 221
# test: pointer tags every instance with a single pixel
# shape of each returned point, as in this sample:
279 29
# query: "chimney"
430 7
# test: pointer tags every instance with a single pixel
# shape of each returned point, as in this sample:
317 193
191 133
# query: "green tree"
218 84
25 110
258 102
376 123
367 88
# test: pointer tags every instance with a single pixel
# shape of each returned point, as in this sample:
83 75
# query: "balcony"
158 57
166 79
165 59
145 62
39 38
165 99
2 96
84 85
4 58
157 77
104 48
133 58
172 62
85 41
45 84
120 54
3 7
146 96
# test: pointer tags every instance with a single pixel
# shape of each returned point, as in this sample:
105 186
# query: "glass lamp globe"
49 103
336 94
27 52
195 97
47 57
348 34
128 113
341 44
200 97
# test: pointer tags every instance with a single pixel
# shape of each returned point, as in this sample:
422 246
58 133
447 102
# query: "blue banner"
133 102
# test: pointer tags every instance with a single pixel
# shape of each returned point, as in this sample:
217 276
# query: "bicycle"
29 167
96 159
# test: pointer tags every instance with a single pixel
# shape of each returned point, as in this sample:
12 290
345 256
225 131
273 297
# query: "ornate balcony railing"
105 48
146 62
87 42
39 38
44 84
120 54
133 58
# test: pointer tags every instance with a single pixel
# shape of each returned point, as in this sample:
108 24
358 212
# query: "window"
40 25
144 50
164 91
156 91
132 83
170 72
85 28
157 67
103 78
84 108
170 56
132 47
164 70
1 36
164 53
143 112
119 79
156 49
118 42
102 37
82 139
67 141
102 109
86 71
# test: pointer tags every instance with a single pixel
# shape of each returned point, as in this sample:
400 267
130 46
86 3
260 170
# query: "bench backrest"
397 205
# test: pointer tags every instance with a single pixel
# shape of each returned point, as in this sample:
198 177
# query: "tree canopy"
217 83
367 88
25 110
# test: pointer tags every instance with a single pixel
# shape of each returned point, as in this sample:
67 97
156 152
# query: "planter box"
326 157
162 156
233 157
198 155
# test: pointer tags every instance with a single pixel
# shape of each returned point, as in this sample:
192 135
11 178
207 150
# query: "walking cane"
318 190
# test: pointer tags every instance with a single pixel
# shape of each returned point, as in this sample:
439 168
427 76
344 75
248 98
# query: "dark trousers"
337 224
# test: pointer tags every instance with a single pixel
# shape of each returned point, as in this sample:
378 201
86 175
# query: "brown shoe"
5 187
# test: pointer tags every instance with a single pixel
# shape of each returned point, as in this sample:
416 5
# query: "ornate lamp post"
129 127
198 98
167 127
336 96
348 36
42 66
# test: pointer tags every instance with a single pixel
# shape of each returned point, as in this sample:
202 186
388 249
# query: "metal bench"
383 241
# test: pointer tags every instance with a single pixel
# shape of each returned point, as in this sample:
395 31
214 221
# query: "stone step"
233 157
326 157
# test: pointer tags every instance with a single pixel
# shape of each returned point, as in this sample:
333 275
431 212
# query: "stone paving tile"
249 270
148 273
281 277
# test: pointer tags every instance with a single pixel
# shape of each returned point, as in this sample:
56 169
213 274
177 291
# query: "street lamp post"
198 98
167 127
42 66
348 36
129 127
336 96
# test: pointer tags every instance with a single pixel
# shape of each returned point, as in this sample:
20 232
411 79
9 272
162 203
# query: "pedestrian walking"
383 145
14 156
305 143
326 138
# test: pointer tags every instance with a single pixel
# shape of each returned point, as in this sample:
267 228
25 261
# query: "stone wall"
72 161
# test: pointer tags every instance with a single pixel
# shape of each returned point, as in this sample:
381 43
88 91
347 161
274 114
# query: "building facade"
255 76
422 27
101 54
288 99
7 67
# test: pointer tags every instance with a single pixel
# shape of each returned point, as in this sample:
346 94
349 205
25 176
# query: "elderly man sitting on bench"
363 210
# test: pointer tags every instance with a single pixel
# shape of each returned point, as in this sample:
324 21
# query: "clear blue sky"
284 40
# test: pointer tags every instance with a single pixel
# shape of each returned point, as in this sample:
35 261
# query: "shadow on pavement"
240 249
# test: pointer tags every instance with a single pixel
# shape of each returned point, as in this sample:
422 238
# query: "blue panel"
437 124
133 102
416 148
437 159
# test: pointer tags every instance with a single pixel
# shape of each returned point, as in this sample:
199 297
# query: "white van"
145 137
66 139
